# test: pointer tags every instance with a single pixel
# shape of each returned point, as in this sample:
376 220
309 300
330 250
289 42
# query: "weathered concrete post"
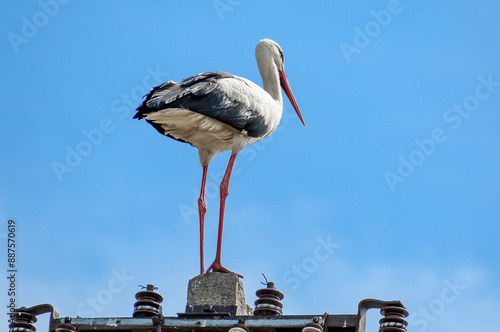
217 292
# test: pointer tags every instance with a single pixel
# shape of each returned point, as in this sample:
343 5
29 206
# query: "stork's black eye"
282 56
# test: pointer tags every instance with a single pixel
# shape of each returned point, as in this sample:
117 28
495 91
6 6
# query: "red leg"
202 209
224 192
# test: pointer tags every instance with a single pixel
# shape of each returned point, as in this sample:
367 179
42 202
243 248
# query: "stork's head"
271 59
268 48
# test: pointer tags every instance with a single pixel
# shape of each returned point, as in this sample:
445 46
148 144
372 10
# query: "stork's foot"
217 267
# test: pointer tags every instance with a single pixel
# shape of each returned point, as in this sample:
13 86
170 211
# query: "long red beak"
288 91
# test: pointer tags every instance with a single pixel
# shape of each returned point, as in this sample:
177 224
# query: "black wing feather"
201 93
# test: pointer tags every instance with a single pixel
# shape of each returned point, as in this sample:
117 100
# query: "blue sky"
390 192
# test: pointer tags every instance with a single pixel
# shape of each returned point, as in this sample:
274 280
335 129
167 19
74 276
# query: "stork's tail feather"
144 108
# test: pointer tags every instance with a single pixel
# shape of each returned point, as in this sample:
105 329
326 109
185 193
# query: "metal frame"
211 321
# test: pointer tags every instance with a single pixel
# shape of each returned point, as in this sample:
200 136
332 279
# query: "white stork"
217 112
